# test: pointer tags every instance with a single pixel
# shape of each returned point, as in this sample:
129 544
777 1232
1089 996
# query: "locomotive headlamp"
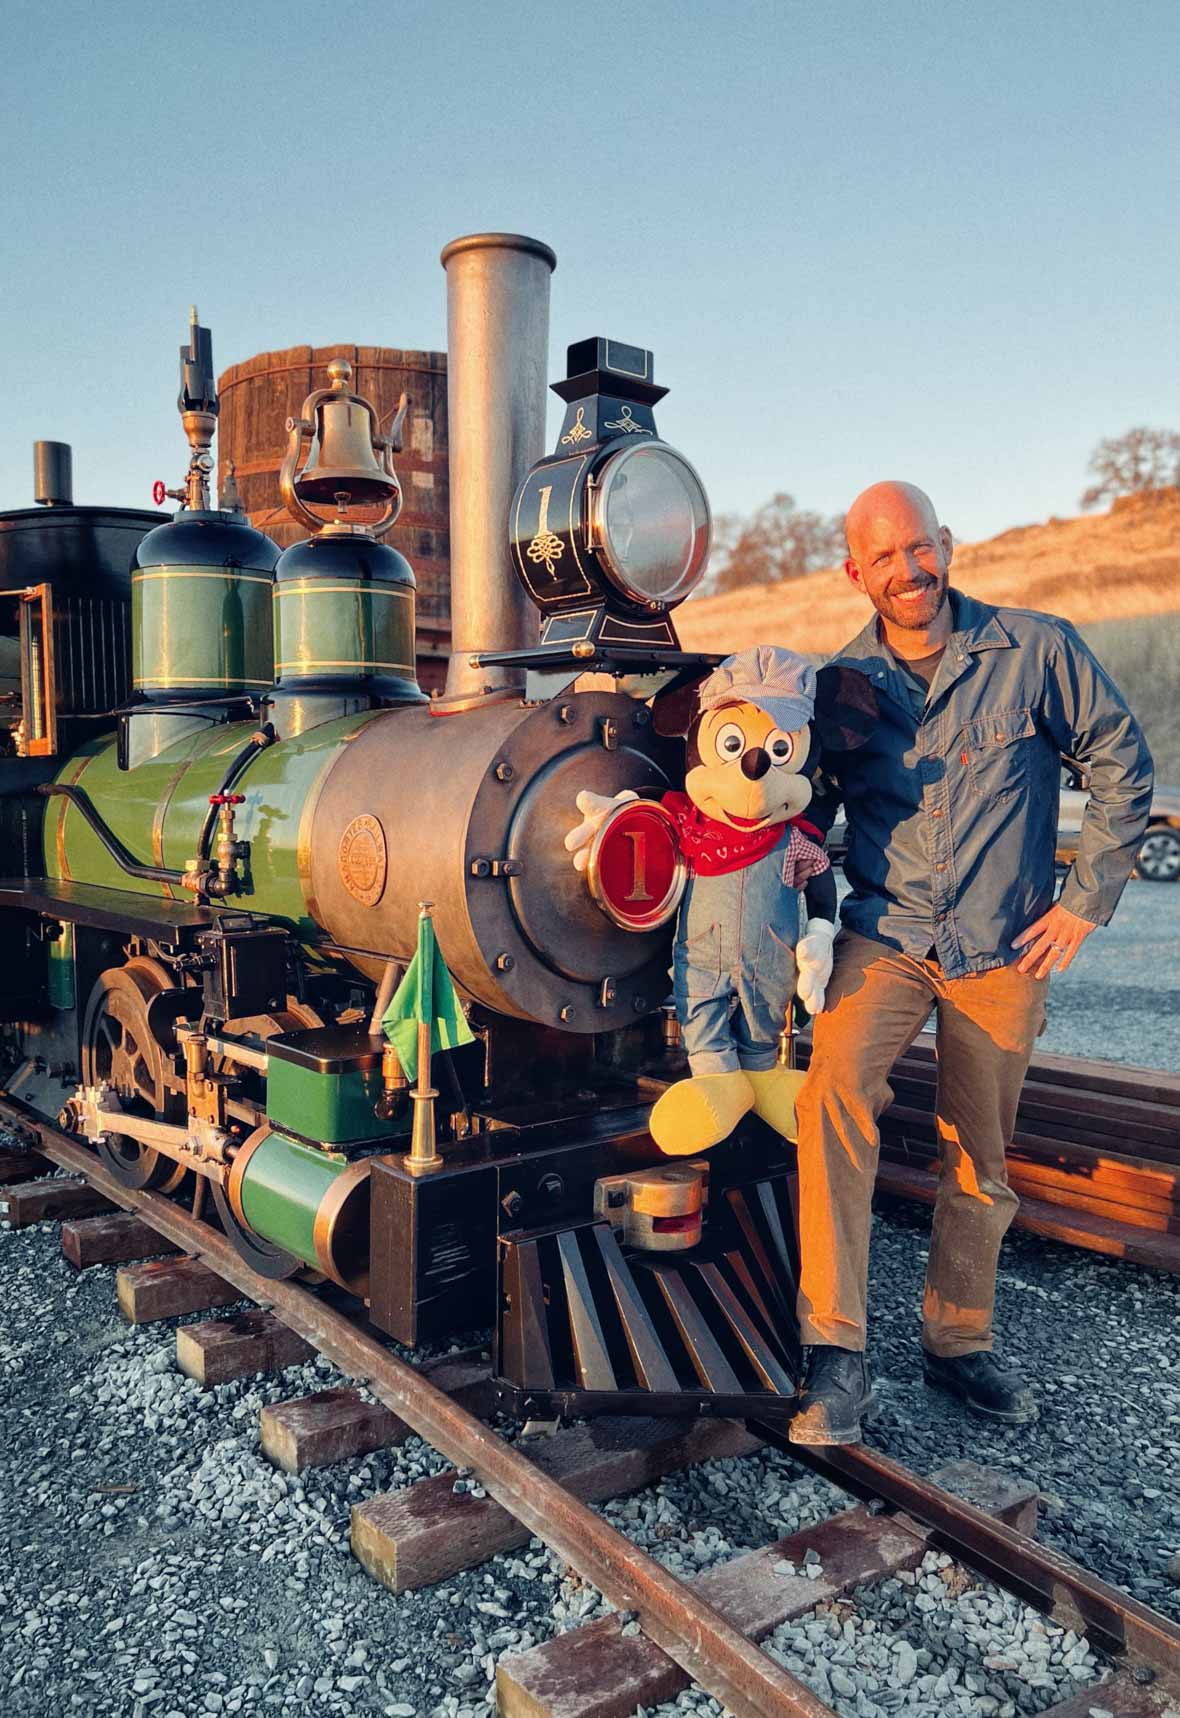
612 530
649 520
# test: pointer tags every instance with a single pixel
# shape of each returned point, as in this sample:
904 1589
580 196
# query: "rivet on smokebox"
566 1012
504 771
505 963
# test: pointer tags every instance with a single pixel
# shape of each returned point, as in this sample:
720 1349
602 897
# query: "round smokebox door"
552 902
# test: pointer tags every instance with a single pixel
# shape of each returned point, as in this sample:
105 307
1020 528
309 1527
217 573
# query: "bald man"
942 729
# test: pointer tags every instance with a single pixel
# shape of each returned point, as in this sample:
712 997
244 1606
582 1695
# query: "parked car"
1158 860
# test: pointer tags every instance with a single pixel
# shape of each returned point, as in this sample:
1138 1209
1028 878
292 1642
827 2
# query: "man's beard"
915 615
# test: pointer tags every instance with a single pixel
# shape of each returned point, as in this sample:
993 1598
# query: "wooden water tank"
259 395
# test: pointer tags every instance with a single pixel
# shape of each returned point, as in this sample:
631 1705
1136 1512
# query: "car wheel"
1158 859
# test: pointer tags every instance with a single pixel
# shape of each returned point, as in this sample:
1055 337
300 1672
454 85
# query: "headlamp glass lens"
654 523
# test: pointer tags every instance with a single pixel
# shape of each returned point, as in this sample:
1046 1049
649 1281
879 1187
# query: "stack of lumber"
1095 1155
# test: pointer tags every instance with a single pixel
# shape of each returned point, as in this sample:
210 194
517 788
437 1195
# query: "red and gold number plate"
635 868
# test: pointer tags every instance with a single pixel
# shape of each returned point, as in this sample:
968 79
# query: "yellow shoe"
775 1091
695 1114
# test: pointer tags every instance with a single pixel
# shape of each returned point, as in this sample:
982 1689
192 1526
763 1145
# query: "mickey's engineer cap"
781 682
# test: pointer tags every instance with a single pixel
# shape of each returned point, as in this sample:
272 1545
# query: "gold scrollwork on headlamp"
545 546
627 424
577 432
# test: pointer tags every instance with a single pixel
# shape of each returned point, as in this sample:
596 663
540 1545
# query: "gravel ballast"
154 1563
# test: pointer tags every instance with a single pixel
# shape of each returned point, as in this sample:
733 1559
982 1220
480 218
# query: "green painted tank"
201 608
157 809
344 618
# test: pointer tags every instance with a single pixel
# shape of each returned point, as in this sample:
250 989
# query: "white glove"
595 809
813 959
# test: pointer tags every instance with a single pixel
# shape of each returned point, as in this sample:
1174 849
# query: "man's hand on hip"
1052 941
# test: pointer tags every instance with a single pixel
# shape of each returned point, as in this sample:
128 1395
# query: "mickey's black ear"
675 709
845 708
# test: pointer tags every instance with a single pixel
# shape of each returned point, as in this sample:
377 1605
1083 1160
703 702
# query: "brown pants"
877 1002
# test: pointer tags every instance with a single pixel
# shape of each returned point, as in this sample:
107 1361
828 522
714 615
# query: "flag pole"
424 1155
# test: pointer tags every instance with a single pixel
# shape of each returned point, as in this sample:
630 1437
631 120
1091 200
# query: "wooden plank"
414 1537
111 1240
1120 1695
1126 1198
165 1288
25 1202
597 1671
1074 1228
222 1348
20 1166
1067 1132
330 1426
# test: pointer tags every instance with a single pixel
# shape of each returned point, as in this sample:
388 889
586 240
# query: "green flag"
425 993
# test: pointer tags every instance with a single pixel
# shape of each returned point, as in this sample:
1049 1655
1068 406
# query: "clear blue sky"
930 241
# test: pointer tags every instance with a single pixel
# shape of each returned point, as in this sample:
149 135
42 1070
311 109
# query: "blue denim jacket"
952 807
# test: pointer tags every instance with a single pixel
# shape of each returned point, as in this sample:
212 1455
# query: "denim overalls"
735 945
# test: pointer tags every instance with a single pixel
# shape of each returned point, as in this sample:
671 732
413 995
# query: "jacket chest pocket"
997 753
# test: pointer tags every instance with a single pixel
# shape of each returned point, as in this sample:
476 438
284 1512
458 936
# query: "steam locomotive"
224 802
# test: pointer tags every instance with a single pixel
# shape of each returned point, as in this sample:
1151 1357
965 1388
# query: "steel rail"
1049 1580
692 1632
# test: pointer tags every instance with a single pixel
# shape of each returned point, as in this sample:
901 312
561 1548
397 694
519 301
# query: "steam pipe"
497 372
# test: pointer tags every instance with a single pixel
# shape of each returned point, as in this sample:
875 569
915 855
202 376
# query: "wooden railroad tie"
20 1166
428 1531
597 1671
23 1203
328 1427
333 1425
219 1349
165 1288
111 1240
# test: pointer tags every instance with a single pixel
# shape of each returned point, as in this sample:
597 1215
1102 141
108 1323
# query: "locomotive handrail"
125 860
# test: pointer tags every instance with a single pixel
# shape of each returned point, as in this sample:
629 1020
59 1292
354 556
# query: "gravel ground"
152 1563
1121 997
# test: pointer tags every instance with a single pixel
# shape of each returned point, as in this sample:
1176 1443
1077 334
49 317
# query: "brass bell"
349 464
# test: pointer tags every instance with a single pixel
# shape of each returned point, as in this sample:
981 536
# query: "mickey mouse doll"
738 958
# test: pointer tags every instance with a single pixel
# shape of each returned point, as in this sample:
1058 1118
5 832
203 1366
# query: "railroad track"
701 1630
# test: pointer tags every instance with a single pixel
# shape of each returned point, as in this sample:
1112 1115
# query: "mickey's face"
743 770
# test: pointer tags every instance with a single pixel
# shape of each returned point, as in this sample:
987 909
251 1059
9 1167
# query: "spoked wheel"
118 1047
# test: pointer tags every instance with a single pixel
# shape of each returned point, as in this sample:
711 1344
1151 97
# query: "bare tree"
780 541
1127 464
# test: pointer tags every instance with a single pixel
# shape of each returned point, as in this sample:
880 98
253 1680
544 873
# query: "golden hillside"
1116 576
1121 564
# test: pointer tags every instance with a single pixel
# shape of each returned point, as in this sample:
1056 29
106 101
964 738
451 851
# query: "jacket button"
940 867
937 812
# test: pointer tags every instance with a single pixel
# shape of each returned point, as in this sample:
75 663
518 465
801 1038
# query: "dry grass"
1116 576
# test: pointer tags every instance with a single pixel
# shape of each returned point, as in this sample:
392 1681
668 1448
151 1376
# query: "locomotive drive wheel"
118 1047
